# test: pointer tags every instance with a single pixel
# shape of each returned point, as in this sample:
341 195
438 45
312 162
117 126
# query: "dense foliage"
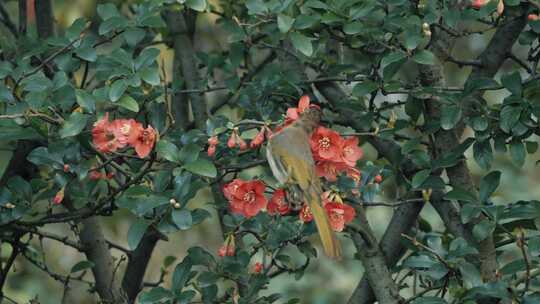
95 120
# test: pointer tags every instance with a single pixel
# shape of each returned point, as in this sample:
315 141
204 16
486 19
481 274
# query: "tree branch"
97 251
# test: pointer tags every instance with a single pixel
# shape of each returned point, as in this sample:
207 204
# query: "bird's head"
310 118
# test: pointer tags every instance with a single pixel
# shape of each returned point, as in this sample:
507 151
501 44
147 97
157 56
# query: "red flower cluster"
334 154
236 140
228 248
245 197
278 204
109 136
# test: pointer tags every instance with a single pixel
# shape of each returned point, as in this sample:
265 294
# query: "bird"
289 155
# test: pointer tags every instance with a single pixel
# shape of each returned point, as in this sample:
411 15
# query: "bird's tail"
330 243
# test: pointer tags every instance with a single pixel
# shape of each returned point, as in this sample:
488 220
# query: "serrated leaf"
136 232
74 125
302 43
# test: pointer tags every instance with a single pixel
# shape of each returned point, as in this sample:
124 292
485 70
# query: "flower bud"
211 150
258 267
172 201
378 178
212 141
242 143
231 143
533 17
66 168
59 197
10 206
258 140
176 206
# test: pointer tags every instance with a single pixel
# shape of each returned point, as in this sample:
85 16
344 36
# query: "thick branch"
132 282
44 18
186 61
97 251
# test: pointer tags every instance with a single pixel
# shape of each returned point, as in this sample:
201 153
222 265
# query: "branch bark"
138 262
186 61
44 18
97 251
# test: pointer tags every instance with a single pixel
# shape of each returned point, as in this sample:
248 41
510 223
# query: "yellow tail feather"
331 244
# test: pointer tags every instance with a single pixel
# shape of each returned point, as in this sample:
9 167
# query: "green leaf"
86 100
182 274
483 154
531 146
353 28
155 296
82 265
167 150
74 125
489 184
450 116
424 57
420 177
470 274
480 123
198 5
150 75
364 87
112 24
512 82
392 58
483 229
129 103
136 232
87 53
462 195
5 69
106 11
284 23
202 167
117 89
429 300
517 152
182 219
469 212
256 7
9 130
302 43
509 117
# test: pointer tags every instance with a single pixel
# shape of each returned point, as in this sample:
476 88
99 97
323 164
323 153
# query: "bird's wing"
294 158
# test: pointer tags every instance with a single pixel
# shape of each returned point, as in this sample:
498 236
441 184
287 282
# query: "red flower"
228 248
533 17
235 140
294 113
477 4
326 144
305 214
350 152
378 179
59 197
277 204
212 141
339 214
141 139
246 197
329 169
258 267
105 136
257 140
95 175
211 150
66 168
